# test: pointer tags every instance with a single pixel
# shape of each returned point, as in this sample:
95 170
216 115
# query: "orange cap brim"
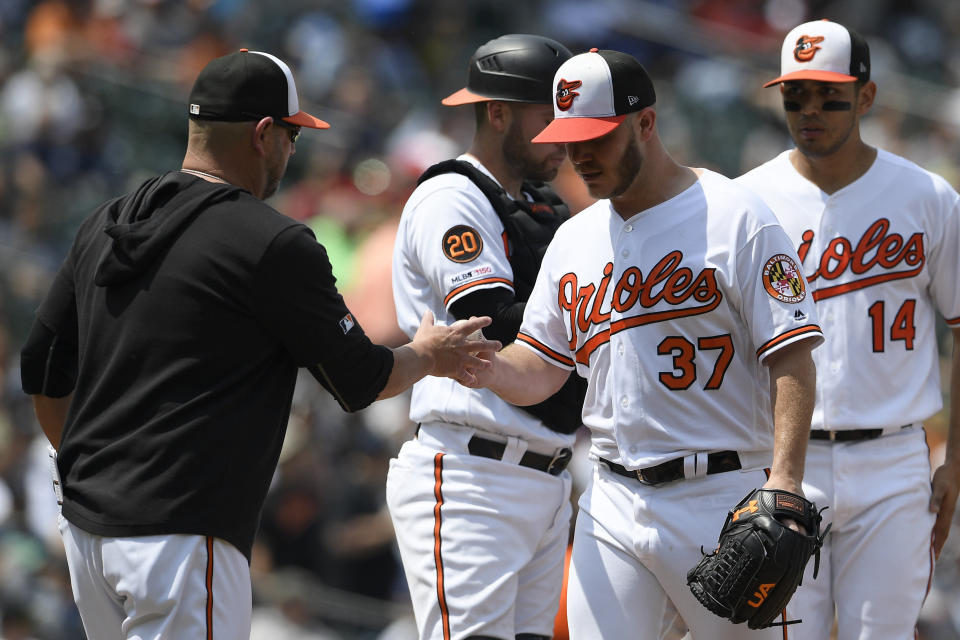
563 130
810 74
463 96
304 119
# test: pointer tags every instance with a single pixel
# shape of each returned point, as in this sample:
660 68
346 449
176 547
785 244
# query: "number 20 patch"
462 243
782 279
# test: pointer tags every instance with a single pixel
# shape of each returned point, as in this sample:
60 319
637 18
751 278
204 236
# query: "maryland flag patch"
783 280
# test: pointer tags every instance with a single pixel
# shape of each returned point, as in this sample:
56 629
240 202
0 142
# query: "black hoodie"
179 319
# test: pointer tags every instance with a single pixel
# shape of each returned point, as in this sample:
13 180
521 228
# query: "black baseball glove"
759 561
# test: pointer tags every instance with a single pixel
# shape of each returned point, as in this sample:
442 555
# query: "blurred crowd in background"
93 100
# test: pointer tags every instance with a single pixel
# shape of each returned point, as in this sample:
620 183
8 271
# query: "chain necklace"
204 173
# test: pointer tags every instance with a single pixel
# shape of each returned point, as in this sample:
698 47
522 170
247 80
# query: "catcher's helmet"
517 68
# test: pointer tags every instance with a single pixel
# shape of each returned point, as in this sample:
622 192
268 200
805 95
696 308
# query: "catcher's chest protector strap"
530 226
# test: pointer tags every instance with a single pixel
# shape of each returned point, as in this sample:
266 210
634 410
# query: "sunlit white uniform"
482 540
669 315
882 255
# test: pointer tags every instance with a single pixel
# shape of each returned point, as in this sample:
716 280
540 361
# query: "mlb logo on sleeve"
347 322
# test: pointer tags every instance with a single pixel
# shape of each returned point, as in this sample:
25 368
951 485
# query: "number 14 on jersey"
902 327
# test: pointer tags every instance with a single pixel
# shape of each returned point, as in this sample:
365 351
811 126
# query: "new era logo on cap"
824 51
248 85
595 91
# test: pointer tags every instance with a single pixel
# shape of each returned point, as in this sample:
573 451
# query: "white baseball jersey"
669 315
880 255
450 242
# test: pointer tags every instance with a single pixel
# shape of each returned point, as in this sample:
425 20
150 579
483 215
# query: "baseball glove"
759 561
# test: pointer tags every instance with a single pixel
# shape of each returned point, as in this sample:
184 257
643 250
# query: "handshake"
455 351
460 352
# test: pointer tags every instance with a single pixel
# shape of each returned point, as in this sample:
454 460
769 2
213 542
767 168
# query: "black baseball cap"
595 92
248 85
824 51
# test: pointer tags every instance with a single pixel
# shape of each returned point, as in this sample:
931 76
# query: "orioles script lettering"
877 247
666 282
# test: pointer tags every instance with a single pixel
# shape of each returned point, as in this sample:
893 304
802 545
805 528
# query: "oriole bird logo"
806 48
566 93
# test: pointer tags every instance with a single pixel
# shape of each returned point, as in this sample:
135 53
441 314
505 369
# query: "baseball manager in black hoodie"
162 365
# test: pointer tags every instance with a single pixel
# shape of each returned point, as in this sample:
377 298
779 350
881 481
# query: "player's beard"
628 168
516 152
275 172
273 183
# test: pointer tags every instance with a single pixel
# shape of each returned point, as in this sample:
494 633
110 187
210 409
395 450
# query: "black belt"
554 465
849 435
717 462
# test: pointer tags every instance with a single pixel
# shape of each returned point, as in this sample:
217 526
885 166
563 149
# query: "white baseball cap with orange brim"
595 92
824 51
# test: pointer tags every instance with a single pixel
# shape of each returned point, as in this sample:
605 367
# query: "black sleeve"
498 303
298 302
48 359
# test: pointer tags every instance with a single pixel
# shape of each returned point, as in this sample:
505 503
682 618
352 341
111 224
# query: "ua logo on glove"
750 508
761 594
759 561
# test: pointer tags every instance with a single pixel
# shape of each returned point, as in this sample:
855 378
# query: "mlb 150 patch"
462 243
783 280
478 271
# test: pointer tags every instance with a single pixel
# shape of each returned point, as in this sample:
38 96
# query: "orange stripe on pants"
437 556
209 580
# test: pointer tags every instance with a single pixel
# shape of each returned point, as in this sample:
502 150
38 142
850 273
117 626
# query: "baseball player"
479 497
162 364
679 298
879 241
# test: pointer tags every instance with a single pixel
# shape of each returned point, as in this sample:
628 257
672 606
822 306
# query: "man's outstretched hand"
452 350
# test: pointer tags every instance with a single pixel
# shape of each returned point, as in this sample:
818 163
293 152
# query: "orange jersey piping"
545 350
783 337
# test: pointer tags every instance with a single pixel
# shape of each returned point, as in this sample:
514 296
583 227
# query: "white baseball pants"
633 545
158 587
877 561
482 541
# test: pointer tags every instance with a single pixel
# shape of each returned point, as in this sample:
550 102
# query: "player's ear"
258 137
866 94
644 122
498 114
